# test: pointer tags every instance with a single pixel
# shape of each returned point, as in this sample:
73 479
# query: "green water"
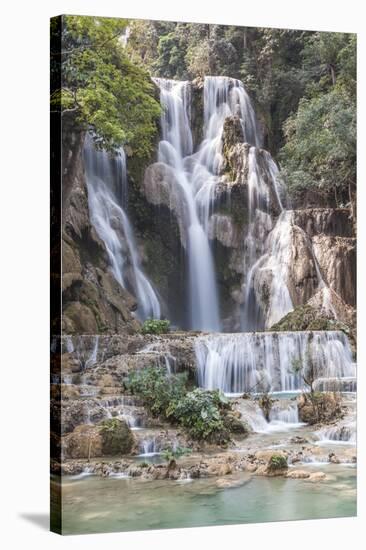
94 504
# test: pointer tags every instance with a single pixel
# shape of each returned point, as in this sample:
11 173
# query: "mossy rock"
117 438
277 462
306 317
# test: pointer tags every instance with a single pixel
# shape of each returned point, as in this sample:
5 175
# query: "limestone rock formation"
93 301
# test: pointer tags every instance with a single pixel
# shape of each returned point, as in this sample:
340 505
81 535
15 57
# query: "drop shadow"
40 520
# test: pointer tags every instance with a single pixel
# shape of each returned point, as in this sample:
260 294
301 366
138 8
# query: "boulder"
117 438
298 474
84 442
317 476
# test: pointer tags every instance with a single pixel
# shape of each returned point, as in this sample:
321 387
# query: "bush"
156 389
155 326
203 413
200 412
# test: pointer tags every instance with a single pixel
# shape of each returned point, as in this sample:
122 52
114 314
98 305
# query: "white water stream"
107 191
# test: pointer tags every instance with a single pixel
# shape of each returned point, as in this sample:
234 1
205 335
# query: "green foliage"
155 326
101 87
156 389
277 462
320 150
200 412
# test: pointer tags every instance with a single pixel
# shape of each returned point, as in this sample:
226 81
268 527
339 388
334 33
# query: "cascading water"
174 148
283 417
250 362
267 248
107 194
196 174
344 434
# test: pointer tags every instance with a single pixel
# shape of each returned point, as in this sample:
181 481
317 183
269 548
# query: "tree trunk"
352 200
332 73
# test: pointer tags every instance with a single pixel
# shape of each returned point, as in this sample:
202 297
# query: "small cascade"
287 415
84 348
283 417
346 384
344 434
107 195
122 407
148 447
92 359
252 362
163 356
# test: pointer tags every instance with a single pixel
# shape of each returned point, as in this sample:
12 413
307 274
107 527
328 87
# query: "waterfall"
107 194
223 97
197 173
267 248
252 362
175 147
276 264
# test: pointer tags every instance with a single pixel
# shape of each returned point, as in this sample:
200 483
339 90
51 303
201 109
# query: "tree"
100 86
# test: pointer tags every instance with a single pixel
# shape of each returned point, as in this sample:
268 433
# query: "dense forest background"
302 84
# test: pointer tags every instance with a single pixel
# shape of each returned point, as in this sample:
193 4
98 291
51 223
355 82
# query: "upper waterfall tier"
249 263
194 176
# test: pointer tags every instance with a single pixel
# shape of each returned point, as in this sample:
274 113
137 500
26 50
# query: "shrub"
156 389
200 412
155 326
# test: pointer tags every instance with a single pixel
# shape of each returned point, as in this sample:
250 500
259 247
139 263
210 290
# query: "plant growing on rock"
321 405
266 403
155 326
171 455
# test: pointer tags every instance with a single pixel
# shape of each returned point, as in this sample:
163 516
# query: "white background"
24 303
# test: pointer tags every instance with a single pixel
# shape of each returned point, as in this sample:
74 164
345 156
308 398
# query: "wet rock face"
303 279
85 441
93 301
112 437
327 221
197 111
337 260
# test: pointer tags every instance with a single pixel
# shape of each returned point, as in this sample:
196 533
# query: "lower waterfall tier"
272 361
